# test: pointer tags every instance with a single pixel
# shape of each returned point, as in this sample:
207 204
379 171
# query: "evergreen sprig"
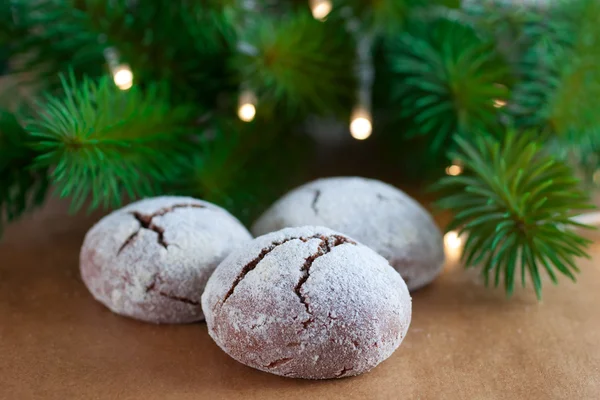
21 186
298 63
516 205
448 79
184 43
558 74
387 16
104 143
42 47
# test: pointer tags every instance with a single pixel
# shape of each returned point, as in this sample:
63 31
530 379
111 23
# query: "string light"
452 240
320 9
453 245
247 100
360 124
123 77
498 103
454 170
361 120
247 106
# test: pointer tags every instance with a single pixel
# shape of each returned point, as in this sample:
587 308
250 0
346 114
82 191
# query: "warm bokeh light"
246 112
320 8
454 170
453 246
360 124
452 240
123 77
360 128
247 105
499 103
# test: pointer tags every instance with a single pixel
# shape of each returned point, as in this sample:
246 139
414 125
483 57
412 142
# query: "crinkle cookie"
152 259
375 213
307 303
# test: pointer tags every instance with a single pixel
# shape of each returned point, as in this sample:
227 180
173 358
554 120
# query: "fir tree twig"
448 79
515 203
104 143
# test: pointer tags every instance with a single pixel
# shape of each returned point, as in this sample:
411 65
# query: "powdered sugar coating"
151 260
307 303
375 213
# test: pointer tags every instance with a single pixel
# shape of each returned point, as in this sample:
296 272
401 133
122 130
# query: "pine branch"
299 64
387 16
560 81
103 143
22 187
580 148
515 203
43 47
184 43
448 79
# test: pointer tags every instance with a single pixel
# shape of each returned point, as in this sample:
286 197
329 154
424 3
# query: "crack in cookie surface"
315 200
167 210
327 242
156 278
325 247
252 264
179 298
277 363
145 221
128 241
343 372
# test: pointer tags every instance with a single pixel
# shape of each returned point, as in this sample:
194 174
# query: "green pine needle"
21 187
388 16
48 37
385 16
449 78
104 143
515 203
184 43
299 63
559 73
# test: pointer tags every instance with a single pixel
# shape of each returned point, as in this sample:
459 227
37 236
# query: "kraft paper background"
465 341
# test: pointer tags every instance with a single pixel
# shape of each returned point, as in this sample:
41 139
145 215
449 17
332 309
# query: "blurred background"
237 102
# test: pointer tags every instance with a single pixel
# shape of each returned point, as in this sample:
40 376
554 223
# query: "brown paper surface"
465 341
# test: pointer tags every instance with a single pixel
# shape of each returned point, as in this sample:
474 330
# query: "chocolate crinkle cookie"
151 260
307 302
375 213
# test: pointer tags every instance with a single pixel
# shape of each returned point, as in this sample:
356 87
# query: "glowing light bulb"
453 246
360 128
454 170
320 9
452 240
498 103
247 106
123 77
360 124
246 112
